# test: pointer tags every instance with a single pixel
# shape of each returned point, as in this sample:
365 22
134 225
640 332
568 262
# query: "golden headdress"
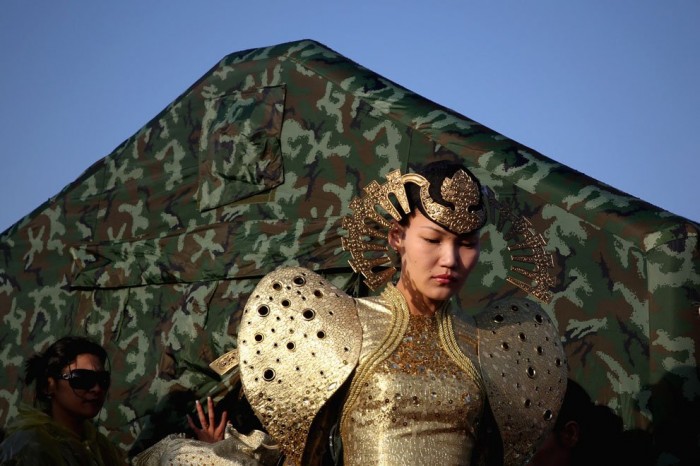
368 227
366 223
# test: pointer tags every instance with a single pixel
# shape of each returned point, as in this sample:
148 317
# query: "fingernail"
197 401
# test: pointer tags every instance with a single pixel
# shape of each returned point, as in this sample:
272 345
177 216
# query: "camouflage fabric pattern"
155 248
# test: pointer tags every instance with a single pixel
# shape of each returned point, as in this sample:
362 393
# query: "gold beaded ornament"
367 224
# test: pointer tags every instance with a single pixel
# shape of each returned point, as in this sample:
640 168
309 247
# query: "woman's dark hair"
435 173
51 362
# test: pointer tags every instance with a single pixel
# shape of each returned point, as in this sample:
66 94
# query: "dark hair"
51 362
599 427
435 173
577 406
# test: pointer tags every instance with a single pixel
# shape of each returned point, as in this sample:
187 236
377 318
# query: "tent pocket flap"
240 152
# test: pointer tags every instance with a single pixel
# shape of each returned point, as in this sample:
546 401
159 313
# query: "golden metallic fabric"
524 369
449 343
367 225
299 340
379 341
417 405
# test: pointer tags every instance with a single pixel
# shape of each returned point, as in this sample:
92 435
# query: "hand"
210 431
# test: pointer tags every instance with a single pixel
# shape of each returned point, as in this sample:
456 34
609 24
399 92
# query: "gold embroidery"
460 190
449 343
225 362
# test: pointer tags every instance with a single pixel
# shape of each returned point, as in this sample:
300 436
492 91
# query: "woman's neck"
418 305
73 424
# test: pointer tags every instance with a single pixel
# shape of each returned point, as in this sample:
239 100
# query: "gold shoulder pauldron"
299 340
524 371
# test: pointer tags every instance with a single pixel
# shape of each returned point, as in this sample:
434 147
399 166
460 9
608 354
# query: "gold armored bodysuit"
410 402
411 389
417 385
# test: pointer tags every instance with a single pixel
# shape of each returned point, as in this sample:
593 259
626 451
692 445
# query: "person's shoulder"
20 438
460 317
26 447
371 302
464 330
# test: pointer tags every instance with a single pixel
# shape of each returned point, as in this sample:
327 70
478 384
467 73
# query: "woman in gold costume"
404 377
419 400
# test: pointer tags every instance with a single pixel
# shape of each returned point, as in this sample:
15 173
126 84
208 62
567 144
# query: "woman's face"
434 262
77 403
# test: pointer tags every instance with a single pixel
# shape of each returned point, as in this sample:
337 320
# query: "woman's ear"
570 434
50 386
396 235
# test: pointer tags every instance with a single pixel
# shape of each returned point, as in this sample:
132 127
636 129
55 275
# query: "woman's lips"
445 279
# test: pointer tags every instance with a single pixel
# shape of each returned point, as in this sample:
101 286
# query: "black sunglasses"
85 379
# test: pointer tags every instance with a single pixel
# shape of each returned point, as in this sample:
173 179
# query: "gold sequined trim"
399 324
397 328
449 343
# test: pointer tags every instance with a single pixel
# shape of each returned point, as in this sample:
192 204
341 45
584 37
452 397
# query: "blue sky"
608 88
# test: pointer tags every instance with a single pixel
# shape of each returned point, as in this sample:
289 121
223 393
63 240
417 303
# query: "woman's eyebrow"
432 228
471 236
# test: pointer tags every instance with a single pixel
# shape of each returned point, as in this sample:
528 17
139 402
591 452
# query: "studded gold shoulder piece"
299 341
366 225
524 369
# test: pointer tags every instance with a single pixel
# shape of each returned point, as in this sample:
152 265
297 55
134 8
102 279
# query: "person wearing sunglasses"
70 387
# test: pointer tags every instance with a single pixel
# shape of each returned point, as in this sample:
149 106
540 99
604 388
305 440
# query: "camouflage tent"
154 249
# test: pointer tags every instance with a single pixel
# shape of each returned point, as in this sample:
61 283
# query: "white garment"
256 449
